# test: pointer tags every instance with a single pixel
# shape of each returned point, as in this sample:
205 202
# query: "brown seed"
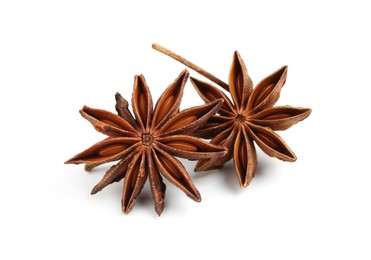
112 149
142 107
182 122
168 103
170 168
181 145
111 122
277 116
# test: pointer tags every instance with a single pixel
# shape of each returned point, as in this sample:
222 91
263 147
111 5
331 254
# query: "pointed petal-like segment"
142 102
168 104
271 143
191 148
215 125
90 166
244 157
107 123
188 120
224 139
175 172
240 84
135 179
108 150
122 108
267 92
280 118
116 173
158 187
210 93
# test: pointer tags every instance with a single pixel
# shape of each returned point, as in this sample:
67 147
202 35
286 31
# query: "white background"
56 56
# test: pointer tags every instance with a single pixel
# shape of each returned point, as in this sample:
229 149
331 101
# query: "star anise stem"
190 65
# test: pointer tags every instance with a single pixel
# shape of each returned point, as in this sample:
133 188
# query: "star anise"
251 116
146 144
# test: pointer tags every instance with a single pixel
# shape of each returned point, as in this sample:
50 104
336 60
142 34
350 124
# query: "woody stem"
190 65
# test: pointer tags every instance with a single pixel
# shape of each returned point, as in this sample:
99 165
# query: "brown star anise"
251 116
146 144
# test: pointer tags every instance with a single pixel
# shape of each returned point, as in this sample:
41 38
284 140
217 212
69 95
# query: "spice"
249 116
145 145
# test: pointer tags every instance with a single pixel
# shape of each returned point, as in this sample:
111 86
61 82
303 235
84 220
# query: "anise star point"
144 144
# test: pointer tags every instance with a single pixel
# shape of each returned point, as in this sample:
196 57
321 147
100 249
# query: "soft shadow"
100 169
145 197
230 177
144 204
175 199
264 167
225 175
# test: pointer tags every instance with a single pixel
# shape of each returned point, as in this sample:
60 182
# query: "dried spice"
249 116
145 144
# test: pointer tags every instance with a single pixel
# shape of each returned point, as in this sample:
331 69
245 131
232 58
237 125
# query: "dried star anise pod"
250 116
145 145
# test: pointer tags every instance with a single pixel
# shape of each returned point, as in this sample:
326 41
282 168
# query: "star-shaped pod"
249 116
145 144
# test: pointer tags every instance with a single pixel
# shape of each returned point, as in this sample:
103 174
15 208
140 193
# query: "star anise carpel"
250 116
144 144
